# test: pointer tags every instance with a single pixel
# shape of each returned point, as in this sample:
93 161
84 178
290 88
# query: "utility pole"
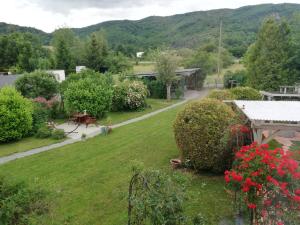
220 49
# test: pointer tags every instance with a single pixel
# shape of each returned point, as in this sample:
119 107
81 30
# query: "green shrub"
221 94
40 116
245 93
159 199
157 89
202 131
44 132
15 115
93 94
37 84
129 95
58 134
19 204
239 76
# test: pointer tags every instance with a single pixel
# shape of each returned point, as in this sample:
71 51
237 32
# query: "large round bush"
91 94
221 94
129 95
201 131
15 115
37 84
245 93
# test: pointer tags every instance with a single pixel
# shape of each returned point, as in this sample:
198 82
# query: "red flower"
297 192
268 202
251 206
296 198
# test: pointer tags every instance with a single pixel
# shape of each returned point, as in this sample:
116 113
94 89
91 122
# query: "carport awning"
276 111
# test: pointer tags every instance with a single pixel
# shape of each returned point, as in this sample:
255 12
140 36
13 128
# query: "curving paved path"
189 95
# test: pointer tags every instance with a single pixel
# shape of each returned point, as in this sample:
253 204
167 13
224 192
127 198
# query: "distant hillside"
10 28
191 29
184 30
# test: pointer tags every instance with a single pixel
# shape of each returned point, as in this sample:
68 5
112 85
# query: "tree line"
24 52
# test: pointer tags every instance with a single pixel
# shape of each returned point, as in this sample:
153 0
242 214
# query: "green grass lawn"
295 148
24 145
88 181
144 67
154 104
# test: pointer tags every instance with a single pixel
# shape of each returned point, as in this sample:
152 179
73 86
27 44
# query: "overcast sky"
48 15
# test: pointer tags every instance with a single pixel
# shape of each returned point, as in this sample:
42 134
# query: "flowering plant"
266 181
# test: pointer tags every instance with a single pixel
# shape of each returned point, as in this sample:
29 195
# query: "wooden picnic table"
84 118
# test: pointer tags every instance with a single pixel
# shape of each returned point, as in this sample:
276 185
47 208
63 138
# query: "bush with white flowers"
129 95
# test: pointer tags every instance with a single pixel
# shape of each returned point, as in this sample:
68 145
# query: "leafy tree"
206 58
96 52
21 51
117 63
63 42
37 84
92 93
166 65
16 115
267 60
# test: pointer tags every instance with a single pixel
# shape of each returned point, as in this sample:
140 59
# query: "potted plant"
175 163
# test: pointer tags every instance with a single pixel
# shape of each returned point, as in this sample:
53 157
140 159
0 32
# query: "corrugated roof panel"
288 111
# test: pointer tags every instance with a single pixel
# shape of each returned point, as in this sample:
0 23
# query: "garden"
194 164
38 103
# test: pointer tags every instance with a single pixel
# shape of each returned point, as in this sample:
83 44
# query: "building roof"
277 111
7 80
181 72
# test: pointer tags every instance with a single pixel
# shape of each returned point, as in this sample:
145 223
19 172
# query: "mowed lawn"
24 145
153 105
88 181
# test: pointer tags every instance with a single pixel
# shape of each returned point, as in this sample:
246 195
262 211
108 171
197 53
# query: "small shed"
191 79
273 116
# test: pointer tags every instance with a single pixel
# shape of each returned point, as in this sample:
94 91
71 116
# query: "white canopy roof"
287 111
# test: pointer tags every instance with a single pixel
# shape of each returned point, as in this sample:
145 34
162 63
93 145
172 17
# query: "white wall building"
140 54
59 75
80 68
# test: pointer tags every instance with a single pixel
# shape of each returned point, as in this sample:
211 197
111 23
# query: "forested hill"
189 29
10 28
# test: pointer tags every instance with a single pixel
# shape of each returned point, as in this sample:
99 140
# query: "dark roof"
7 80
181 72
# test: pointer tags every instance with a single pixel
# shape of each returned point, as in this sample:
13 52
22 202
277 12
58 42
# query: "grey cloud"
64 6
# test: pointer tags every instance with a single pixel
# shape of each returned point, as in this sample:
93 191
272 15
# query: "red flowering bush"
266 181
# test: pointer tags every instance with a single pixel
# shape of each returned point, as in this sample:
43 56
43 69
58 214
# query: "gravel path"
188 96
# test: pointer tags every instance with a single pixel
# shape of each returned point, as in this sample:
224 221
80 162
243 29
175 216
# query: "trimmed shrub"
44 132
15 115
221 94
58 134
239 76
129 95
37 84
202 131
19 204
245 93
93 94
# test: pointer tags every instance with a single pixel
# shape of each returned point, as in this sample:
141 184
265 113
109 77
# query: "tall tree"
166 65
64 42
268 59
96 52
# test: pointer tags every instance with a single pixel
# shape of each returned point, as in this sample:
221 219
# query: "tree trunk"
169 92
